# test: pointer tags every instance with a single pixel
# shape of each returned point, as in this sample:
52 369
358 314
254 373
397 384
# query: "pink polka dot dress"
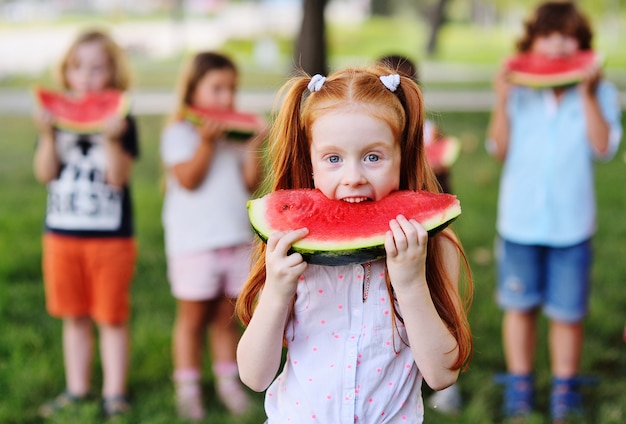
345 363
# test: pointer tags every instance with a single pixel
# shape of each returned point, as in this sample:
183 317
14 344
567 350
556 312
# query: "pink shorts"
210 274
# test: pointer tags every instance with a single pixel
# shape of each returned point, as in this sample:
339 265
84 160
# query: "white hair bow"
391 81
316 83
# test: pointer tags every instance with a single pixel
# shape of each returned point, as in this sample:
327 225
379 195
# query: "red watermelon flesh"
443 152
84 114
238 124
539 71
340 232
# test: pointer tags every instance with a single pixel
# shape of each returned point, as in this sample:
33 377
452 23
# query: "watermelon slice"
443 152
342 233
239 125
86 114
538 71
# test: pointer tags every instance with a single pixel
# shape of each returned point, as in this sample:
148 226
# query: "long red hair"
290 168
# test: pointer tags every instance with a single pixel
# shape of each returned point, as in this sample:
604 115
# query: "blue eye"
372 158
333 159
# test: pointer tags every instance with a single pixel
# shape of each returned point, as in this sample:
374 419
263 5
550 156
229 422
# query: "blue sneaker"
565 399
519 392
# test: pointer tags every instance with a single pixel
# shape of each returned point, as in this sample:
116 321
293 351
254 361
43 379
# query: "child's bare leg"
77 354
224 336
566 341
520 339
189 331
114 350
224 332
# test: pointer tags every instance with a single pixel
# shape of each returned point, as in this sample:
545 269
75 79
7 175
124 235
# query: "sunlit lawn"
30 342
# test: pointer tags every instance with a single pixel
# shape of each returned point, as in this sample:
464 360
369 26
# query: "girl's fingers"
390 245
420 232
281 242
399 237
404 234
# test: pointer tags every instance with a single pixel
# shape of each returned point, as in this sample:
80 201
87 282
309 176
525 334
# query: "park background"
260 36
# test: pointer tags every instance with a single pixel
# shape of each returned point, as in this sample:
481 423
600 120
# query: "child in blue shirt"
549 140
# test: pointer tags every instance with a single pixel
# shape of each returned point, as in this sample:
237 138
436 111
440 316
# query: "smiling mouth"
356 199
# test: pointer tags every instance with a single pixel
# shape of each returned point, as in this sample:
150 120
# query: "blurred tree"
381 7
310 51
437 18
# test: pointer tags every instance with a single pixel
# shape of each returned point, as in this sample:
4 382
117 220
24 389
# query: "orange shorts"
88 277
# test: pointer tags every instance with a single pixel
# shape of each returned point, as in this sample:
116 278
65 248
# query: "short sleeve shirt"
345 364
80 202
214 214
547 191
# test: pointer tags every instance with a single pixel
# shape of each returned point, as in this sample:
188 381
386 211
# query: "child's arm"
191 173
498 132
597 126
260 347
119 161
45 162
434 348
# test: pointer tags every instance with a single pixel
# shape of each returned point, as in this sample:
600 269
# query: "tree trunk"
437 19
380 7
310 52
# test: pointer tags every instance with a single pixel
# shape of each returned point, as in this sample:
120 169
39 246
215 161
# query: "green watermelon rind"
90 127
551 81
335 253
234 132
543 81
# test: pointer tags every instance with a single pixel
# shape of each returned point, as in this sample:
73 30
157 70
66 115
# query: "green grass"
30 347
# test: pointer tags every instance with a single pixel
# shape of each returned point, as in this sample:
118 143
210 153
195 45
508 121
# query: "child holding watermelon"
207 234
547 206
360 337
89 248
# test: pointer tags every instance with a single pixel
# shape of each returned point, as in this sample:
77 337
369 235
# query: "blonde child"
207 234
360 349
89 249
547 207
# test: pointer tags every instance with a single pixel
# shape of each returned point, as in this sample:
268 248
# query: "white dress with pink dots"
345 363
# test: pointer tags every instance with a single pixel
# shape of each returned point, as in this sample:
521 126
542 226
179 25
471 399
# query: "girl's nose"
353 175
227 99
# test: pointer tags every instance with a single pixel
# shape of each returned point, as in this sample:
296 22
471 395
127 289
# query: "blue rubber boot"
519 392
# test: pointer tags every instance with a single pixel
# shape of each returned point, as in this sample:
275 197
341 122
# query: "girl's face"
89 69
555 45
355 156
216 89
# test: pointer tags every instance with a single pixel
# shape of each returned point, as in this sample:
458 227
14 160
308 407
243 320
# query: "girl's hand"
406 245
44 121
589 83
284 269
114 128
210 130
